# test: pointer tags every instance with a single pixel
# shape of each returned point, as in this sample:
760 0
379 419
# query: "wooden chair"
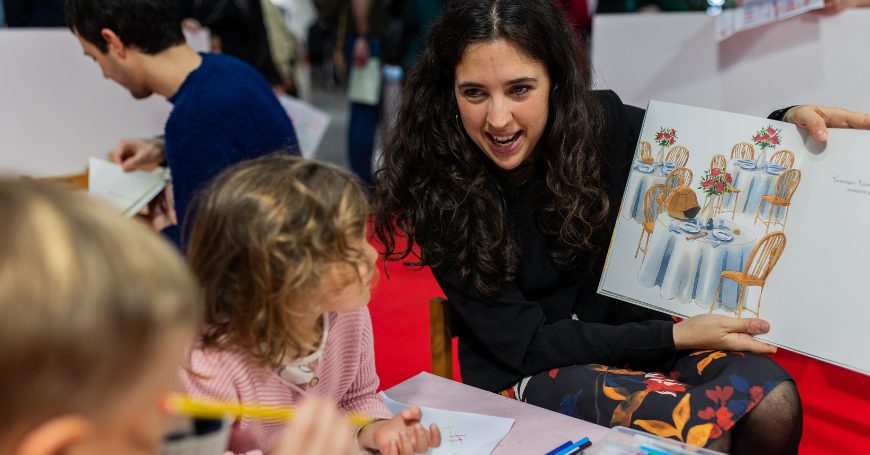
645 152
743 151
678 155
786 185
718 162
784 158
764 256
653 204
681 176
441 337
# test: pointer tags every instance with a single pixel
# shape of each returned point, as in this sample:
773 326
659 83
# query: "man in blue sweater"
223 110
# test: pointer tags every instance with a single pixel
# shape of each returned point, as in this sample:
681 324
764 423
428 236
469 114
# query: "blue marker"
560 448
581 444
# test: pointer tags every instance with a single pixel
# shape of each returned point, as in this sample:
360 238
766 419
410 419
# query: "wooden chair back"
645 151
743 151
653 202
764 255
784 158
678 155
681 176
718 162
441 337
787 183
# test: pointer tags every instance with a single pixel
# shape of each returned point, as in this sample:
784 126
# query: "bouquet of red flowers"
666 137
767 137
716 182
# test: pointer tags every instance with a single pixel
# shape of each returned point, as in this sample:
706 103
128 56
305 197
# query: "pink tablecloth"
535 430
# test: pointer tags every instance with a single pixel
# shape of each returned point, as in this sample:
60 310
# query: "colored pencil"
184 405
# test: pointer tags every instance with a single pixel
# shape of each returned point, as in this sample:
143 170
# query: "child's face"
342 289
134 423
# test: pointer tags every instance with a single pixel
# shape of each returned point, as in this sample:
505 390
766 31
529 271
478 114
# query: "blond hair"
85 295
266 233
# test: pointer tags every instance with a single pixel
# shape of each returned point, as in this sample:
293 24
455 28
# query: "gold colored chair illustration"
678 155
718 162
645 152
784 158
764 256
779 202
743 151
653 203
681 176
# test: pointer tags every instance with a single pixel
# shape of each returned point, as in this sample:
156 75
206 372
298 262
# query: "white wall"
56 110
674 57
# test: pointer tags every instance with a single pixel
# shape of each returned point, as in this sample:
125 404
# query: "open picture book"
737 215
128 192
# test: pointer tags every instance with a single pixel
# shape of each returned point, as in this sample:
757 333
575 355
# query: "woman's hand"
713 331
401 435
817 119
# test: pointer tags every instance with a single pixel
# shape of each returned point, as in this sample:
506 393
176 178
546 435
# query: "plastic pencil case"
626 441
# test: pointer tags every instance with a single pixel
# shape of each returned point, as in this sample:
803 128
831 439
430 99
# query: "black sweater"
528 327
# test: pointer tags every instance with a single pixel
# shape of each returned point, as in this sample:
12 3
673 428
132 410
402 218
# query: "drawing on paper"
454 438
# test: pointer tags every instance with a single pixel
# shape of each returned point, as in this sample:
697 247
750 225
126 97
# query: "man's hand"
138 154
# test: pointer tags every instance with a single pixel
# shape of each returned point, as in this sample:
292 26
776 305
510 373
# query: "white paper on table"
365 82
129 192
309 122
461 432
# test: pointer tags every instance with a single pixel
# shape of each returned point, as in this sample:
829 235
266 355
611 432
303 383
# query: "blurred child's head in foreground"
277 242
95 314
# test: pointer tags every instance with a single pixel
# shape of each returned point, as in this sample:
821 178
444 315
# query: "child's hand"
401 435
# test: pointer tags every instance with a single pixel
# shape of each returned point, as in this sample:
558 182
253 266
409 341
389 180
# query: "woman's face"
503 99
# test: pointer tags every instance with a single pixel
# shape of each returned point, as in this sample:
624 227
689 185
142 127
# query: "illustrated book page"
776 226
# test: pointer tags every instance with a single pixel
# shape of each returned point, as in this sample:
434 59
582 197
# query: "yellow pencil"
184 405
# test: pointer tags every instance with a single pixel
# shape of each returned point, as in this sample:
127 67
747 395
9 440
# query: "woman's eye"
473 93
520 89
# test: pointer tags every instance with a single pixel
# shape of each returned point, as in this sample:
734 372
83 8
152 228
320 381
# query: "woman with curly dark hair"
506 170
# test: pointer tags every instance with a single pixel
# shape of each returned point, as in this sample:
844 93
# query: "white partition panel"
811 58
56 110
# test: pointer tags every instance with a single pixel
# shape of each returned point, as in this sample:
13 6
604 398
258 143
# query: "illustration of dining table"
754 182
642 177
686 260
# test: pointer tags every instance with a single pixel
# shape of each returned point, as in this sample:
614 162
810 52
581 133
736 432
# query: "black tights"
773 427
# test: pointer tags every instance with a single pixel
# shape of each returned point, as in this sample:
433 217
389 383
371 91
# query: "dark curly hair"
441 192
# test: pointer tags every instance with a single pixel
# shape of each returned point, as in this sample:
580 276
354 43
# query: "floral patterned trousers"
702 396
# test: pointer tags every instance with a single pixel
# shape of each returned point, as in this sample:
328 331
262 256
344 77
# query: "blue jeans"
363 121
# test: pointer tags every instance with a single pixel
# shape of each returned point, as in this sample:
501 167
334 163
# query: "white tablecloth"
689 270
753 185
640 182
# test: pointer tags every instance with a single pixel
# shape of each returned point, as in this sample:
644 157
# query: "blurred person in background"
32 13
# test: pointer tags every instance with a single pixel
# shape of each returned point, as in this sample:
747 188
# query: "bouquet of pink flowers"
716 182
767 137
666 137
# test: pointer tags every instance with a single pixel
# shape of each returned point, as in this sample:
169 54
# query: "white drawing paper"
129 192
461 432
814 294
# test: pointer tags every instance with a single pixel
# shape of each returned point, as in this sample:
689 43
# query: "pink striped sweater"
346 374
